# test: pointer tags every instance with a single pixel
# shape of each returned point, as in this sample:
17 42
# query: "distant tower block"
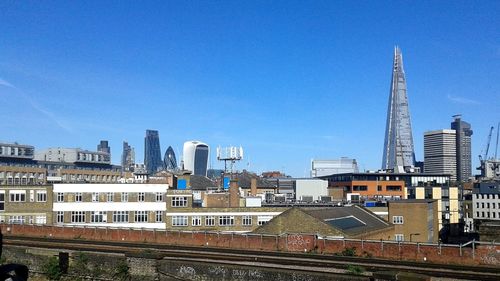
398 144
229 154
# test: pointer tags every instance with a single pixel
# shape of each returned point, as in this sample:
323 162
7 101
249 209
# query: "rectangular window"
98 216
120 216
179 221
141 216
60 217
77 216
261 220
17 195
379 188
477 204
397 219
41 196
60 197
210 221
393 188
159 196
246 220
226 220
159 216
41 219
2 200
78 197
360 188
124 197
16 220
179 201
399 237
141 197
110 197
196 221
95 196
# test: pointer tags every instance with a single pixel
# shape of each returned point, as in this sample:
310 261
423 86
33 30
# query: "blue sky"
287 80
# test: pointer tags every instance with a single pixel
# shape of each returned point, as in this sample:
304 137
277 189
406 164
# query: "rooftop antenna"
230 155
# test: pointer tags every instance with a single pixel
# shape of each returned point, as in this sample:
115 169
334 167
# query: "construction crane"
496 146
485 157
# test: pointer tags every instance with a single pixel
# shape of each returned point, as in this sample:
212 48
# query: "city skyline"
247 74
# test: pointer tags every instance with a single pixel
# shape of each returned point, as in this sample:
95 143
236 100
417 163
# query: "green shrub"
122 271
355 269
349 252
51 269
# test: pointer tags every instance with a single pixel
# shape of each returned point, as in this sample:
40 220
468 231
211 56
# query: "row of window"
492 215
487 196
222 220
487 205
379 188
110 197
20 196
102 216
39 219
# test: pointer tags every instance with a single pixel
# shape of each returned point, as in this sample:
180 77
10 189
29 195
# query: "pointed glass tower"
398 144
169 161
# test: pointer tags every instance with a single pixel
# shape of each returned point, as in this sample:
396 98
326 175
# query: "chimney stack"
234 197
253 187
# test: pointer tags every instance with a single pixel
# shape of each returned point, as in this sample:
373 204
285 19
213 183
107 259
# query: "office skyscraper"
128 158
104 147
463 143
152 152
398 144
169 160
195 157
440 152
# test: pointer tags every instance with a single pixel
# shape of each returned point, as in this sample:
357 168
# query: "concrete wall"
311 187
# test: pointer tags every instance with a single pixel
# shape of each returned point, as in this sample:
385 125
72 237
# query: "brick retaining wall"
475 253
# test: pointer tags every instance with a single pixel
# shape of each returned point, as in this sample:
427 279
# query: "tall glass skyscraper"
152 152
463 141
169 159
196 157
398 144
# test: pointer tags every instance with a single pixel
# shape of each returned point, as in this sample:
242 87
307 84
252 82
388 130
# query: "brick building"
415 220
340 222
21 204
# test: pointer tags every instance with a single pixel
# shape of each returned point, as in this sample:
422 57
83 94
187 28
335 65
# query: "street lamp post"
413 234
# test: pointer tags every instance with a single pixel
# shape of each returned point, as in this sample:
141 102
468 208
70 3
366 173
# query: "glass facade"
152 152
398 144
169 160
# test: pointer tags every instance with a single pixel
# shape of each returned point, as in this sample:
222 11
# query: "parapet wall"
473 253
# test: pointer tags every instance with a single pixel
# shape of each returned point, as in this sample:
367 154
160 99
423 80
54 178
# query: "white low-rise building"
110 205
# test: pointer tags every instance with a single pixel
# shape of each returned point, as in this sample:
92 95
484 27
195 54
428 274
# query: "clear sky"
287 80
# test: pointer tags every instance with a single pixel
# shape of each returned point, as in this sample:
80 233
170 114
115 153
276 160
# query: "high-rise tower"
103 146
196 157
463 140
398 144
152 152
440 153
169 160
128 158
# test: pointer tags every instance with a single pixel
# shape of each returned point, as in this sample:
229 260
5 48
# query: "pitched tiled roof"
201 182
347 221
245 178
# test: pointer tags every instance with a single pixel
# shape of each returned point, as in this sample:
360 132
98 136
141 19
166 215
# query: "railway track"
278 260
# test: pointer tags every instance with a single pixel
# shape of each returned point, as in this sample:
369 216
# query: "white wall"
311 187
